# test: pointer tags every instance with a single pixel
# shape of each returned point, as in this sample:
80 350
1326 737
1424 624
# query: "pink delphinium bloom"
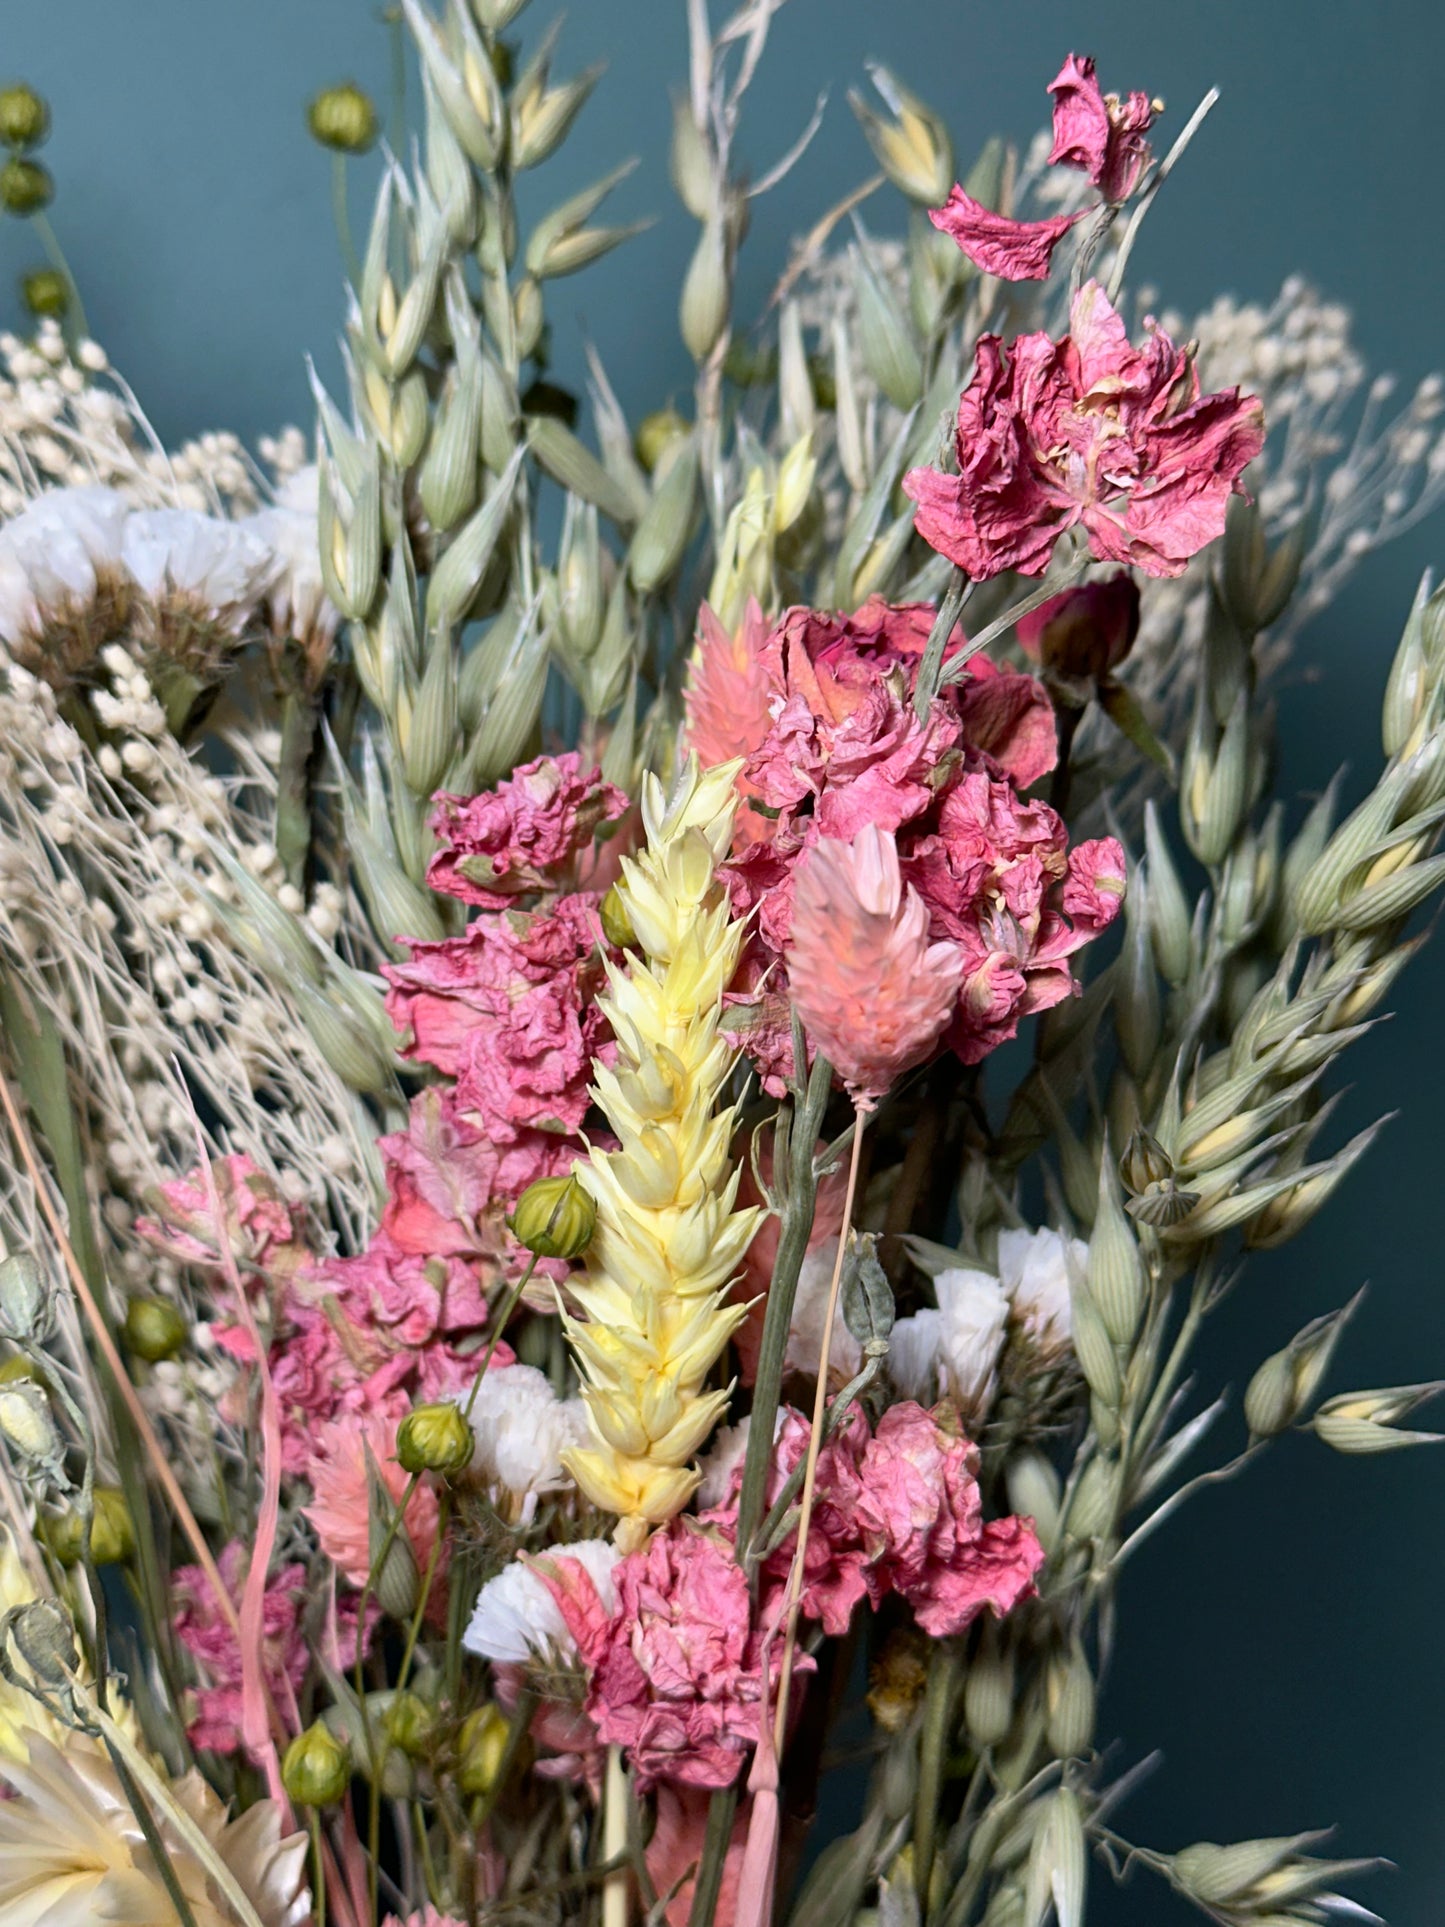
340 1477
920 1511
873 992
509 1010
450 1186
524 834
1086 631
1012 250
264 1232
675 1674
1099 133
1087 430
997 878
207 1634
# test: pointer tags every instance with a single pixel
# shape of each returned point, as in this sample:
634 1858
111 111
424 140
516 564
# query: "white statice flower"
805 1332
953 1349
198 564
516 1619
1036 1269
62 578
722 1459
298 603
73 1853
522 1429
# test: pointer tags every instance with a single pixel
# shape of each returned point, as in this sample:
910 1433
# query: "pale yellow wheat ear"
668 1244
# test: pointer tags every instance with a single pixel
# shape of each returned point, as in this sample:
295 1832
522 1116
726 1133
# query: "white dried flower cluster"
521 1429
955 1347
516 1619
139 975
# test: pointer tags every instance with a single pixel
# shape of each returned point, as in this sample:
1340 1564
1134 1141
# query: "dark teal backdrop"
1281 1642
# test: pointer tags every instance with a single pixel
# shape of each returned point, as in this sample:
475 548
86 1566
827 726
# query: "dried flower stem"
185 1518
815 1442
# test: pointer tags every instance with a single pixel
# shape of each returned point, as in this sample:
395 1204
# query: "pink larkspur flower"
208 1636
509 1010
340 1512
1012 250
263 1232
1099 133
675 1670
1086 431
524 834
920 1511
871 989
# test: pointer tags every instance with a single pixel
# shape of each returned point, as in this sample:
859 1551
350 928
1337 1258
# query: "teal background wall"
1281 1642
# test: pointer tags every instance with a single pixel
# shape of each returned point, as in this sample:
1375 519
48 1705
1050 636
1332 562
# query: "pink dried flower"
921 1513
1013 250
428 1917
1099 133
509 1010
675 1852
1010 719
1086 631
522 835
264 1232
872 991
207 1634
675 1674
1087 430
345 1454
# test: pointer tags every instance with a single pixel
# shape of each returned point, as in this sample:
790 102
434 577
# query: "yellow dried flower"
667 1242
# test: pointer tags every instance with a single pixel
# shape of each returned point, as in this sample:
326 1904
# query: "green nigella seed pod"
434 1438
112 1531
554 1218
45 292
24 116
343 118
316 1769
25 186
153 1330
481 1743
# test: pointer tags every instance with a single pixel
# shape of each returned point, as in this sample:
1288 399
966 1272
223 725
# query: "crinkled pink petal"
1012 250
523 835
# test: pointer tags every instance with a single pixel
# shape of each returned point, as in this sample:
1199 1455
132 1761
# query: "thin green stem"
720 1815
943 1670
930 670
316 1861
509 1305
374 1766
341 215
77 328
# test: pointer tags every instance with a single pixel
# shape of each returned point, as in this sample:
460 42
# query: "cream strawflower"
517 1619
72 1852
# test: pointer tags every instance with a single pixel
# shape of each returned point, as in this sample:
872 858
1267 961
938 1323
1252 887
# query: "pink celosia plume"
347 1452
873 992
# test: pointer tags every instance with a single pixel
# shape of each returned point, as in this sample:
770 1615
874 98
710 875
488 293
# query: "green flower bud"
24 116
434 1438
616 923
25 186
316 1769
26 1421
411 1725
153 1330
45 1640
112 1532
481 1743
45 291
343 118
25 1299
554 1218
655 432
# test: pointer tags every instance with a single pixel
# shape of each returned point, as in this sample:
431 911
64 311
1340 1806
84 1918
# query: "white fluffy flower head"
516 1619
